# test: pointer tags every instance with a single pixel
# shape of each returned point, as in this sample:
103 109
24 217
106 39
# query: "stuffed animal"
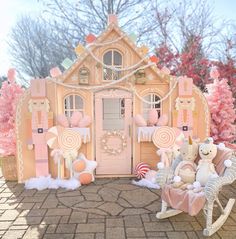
206 168
185 171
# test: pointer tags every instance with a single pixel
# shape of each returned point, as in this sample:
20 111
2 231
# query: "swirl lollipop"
69 140
164 137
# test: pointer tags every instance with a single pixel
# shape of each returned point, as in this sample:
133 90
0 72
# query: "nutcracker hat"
38 88
185 86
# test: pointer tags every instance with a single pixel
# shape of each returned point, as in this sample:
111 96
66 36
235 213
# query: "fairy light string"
132 67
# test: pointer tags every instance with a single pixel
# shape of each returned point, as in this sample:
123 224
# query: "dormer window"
84 75
112 58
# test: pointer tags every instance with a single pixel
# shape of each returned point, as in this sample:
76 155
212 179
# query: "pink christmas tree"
221 103
9 95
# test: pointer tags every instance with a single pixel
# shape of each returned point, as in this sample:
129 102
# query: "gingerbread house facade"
111 97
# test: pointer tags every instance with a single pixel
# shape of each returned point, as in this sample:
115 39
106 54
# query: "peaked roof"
111 27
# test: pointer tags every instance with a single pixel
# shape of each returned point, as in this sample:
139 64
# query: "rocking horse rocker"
221 164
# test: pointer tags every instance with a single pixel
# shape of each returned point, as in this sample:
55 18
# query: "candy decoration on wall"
67 63
141 169
143 50
154 59
90 38
79 49
55 72
185 105
41 119
133 37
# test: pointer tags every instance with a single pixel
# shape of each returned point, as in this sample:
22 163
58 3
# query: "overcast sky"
11 9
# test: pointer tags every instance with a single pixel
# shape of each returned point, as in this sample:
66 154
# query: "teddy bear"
185 171
206 168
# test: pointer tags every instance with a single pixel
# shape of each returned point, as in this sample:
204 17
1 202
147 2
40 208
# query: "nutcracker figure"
41 120
185 106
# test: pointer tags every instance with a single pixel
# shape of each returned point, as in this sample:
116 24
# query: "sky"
10 10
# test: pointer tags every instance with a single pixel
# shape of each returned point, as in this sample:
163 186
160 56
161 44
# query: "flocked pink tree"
221 103
9 95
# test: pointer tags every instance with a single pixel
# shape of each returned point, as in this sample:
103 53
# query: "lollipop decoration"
70 142
164 138
67 140
141 169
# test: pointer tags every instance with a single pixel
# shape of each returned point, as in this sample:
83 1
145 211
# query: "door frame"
129 93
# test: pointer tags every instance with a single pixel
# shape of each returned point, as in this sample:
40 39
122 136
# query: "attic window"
84 75
112 58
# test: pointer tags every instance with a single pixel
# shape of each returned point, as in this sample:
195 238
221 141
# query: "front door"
113 119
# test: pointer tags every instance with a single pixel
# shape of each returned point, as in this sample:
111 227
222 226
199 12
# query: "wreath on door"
105 142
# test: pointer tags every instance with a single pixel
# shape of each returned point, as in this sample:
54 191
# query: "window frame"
146 107
69 111
112 64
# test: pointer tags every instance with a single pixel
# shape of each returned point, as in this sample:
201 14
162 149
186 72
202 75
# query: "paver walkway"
108 208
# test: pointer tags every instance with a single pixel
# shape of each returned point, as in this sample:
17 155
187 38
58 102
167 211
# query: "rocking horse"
177 200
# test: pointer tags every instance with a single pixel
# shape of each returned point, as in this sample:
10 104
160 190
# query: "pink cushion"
221 156
184 200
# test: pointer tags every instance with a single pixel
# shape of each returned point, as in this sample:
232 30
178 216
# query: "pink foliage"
221 103
9 95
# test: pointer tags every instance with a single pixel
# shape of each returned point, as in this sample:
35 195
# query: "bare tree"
90 16
35 47
37 44
177 22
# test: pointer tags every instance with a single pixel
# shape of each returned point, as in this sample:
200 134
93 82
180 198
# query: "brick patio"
109 208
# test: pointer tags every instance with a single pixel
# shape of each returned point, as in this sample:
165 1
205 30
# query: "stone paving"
108 208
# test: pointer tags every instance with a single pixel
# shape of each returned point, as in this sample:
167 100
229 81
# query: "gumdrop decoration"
90 38
154 59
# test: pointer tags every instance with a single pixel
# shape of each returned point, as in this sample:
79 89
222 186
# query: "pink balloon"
75 118
163 120
140 121
62 120
152 117
85 121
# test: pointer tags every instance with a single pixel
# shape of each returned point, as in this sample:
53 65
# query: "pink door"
113 119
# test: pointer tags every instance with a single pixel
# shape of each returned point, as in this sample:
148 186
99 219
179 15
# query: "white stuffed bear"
206 168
